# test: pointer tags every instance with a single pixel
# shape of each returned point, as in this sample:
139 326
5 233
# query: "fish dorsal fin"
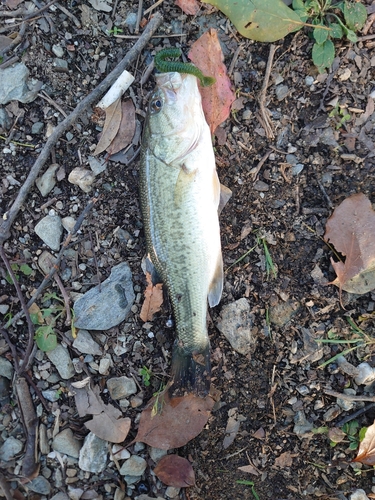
216 286
225 195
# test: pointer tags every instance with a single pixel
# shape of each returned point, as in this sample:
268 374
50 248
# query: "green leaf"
353 445
350 35
298 5
336 30
362 433
26 270
45 338
320 34
34 318
323 55
355 14
261 20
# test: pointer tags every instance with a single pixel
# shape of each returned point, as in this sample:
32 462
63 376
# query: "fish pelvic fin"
191 371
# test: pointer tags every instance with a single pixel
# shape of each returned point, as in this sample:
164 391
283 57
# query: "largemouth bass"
180 195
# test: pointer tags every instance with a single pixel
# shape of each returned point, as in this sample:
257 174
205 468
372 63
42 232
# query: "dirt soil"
284 189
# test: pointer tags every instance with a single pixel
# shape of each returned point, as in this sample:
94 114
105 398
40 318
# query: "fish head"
175 117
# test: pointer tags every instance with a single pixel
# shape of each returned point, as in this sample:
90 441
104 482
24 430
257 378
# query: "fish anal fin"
225 195
216 286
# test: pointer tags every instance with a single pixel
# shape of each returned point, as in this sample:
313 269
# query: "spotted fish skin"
180 193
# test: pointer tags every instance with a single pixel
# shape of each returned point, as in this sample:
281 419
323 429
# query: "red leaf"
207 55
170 423
351 229
190 7
153 299
175 471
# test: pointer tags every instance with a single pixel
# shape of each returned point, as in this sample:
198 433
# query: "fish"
180 203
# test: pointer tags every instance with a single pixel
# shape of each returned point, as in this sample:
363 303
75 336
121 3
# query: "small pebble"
309 80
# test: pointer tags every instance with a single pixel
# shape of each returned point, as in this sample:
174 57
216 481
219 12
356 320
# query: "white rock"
82 177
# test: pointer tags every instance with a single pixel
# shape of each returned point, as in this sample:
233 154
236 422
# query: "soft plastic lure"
180 67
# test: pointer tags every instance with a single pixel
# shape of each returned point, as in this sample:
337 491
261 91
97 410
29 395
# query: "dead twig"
69 14
9 217
256 170
264 115
139 16
356 414
348 397
5 487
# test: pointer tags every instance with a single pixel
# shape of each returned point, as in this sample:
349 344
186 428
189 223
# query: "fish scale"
180 192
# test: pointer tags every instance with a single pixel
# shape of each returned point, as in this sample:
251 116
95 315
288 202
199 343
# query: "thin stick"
66 298
235 57
154 36
156 4
53 103
264 115
9 217
69 14
354 415
348 397
5 487
260 165
139 16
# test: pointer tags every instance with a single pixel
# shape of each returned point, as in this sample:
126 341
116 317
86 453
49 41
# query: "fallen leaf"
100 5
232 428
366 451
107 422
172 422
153 299
190 7
284 460
175 471
260 433
126 129
112 123
5 42
261 20
12 4
250 469
351 229
207 55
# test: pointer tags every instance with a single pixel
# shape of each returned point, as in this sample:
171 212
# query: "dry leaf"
126 129
351 229
366 451
207 55
250 469
190 7
260 433
107 422
112 122
34 309
175 471
232 428
170 423
284 460
153 299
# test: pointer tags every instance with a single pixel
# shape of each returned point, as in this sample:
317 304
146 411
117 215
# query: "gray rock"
5 120
40 485
46 261
261 186
47 181
10 448
96 165
309 80
134 466
282 312
281 92
61 359
4 308
131 20
156 453
106 306
121 387
13 85
6 368
49 229
235 324
172 492
37 128
51 395
291 159
93 454
60 496
60 63
68 223
85 344
65 443
359 495
146 497
301 424
297 169
58 50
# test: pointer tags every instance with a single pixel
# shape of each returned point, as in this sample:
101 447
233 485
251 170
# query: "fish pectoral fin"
216 286
184 179
225 195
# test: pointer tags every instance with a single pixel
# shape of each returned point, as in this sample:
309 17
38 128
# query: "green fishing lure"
166 66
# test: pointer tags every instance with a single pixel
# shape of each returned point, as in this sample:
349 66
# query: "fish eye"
156 105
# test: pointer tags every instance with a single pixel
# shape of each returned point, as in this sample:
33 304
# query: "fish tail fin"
191 372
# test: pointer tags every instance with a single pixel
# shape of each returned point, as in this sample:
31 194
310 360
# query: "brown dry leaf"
284 460
13 4
111 125
171 423
250 469
190 7
126 129
366 451
35 309
207 55
260 433
153 299
351 229
175 471
233 426
107 422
